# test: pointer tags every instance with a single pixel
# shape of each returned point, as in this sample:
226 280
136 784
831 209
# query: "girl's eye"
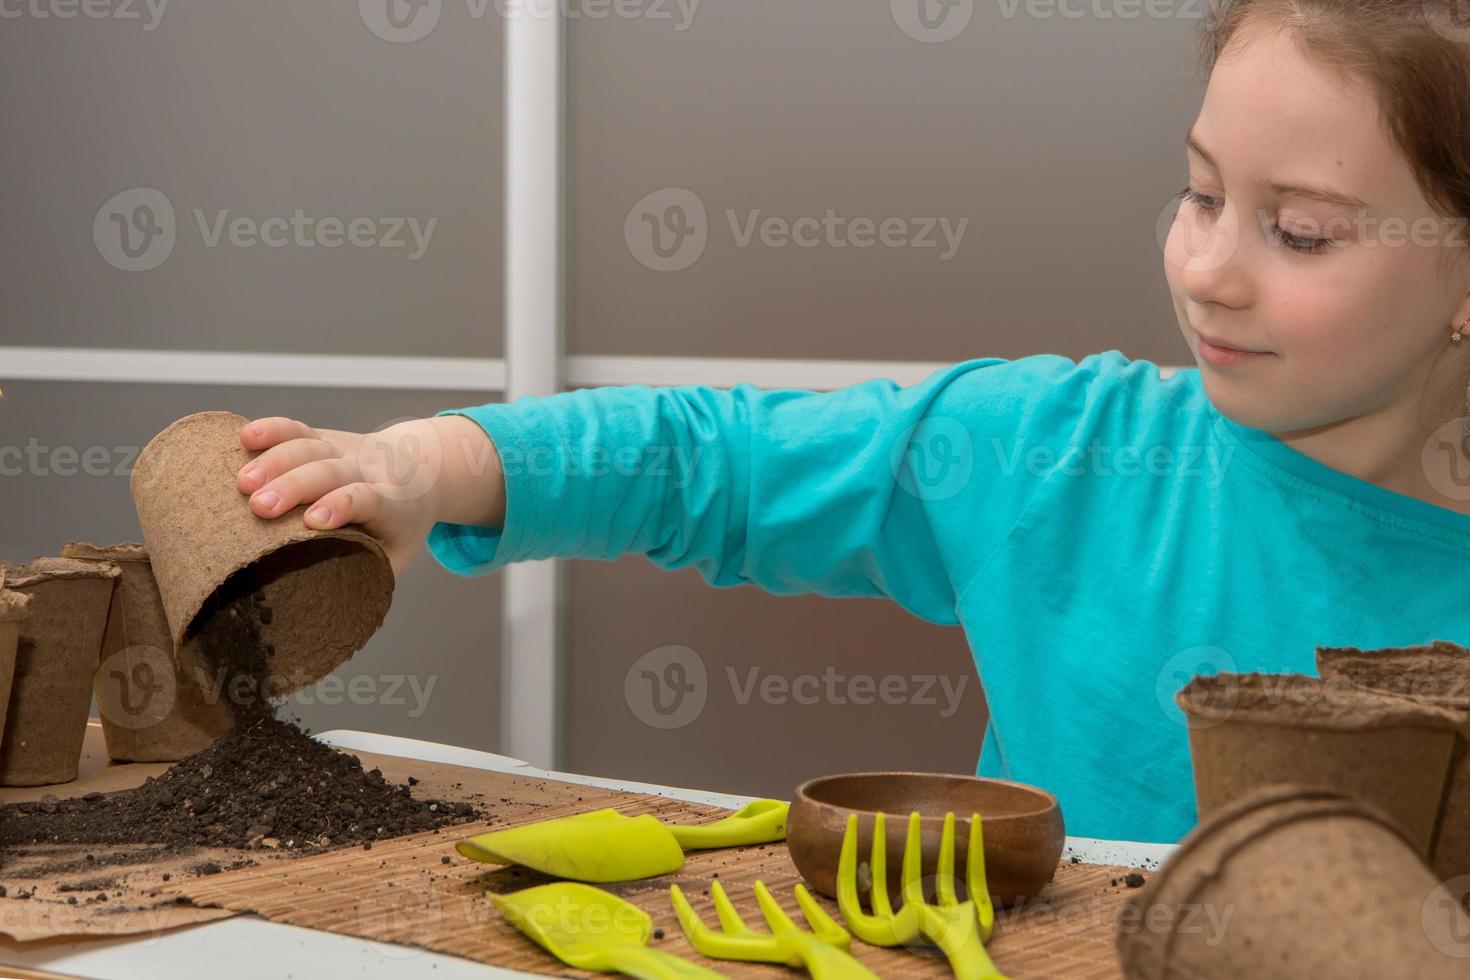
1202 201
1297 243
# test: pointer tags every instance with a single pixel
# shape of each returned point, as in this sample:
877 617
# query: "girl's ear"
1461 324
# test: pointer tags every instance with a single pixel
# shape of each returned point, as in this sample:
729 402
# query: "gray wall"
1060 139
1056 139
255 109
792 686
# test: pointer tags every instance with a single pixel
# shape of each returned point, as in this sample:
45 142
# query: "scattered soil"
263 783
1131 880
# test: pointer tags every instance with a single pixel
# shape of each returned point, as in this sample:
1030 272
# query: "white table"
231 946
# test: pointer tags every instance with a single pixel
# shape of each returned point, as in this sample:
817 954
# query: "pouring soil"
56 656
154 706
1435 674
328 591
1251 730
264 783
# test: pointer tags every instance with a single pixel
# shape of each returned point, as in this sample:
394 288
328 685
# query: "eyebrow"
1307 191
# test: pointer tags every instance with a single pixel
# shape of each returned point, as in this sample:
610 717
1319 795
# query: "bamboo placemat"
403 892
61 878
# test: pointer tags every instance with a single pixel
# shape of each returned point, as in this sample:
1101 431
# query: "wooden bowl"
1022 826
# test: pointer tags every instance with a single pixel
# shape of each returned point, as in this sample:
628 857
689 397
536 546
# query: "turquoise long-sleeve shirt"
1100 533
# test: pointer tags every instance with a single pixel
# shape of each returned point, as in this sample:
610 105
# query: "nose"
1208 256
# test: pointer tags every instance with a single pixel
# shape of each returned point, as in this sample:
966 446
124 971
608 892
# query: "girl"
1100 532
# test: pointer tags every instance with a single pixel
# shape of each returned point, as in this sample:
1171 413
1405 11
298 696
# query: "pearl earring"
1456 337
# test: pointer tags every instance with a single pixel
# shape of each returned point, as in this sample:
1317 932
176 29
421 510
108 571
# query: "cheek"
1304 318
1336 327
1334 304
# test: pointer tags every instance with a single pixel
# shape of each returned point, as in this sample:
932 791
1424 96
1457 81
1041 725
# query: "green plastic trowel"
589 929
605 845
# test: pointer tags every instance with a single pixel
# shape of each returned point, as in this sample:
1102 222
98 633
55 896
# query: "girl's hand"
395 483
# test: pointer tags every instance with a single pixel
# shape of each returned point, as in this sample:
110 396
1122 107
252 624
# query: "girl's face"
1304 263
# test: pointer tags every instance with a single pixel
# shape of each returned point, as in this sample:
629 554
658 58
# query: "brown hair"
1412 55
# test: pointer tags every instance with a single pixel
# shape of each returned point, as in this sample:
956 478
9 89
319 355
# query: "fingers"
267 432
303 483
356 503
281 459
364 505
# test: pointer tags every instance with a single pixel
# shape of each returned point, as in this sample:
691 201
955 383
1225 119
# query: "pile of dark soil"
264 782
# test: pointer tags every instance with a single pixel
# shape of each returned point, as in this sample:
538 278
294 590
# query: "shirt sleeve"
875 490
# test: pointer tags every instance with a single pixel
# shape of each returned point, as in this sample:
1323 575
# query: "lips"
1223 345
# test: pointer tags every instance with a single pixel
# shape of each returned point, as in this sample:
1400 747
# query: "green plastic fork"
960 929
823 952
